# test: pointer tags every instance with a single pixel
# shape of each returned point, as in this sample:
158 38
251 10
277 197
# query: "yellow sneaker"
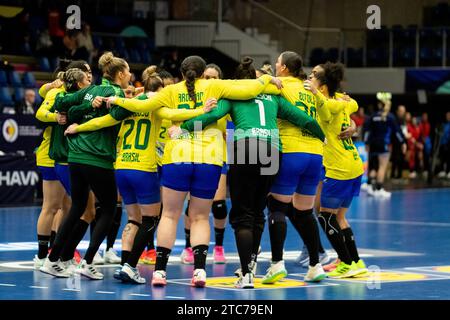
341 271
358 268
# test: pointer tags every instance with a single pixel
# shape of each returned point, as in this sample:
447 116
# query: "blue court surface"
404 241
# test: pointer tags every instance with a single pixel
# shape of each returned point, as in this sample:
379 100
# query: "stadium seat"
146 57
28 80
44 64
3 79
135 56
19 94
14 79
5 97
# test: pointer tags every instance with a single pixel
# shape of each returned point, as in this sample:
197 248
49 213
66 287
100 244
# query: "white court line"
37 287
74 290
7 285
105 292
139 294
408 223
173 297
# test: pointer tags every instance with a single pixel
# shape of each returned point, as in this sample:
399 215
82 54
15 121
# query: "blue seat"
44 64
19 94
38 97
3 79
146 58
14 79
28 80
120 43
5 97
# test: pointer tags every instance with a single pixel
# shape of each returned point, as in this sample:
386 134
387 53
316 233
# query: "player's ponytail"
71 77
246 69
294 63
192 68
152 80
111 65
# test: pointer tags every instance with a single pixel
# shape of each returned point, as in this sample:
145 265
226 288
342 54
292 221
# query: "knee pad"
219 209
278 210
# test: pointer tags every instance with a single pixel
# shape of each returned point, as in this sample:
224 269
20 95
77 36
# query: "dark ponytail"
245 70
294 63
192 68
332 76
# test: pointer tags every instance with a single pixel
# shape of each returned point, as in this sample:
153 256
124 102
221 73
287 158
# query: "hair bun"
247 61
105 59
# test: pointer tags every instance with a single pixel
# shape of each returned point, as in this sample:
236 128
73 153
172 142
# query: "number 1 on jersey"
262 114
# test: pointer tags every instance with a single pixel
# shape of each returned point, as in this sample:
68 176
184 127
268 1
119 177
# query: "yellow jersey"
136 142
162 139
203 146
340 157
45 115
293 138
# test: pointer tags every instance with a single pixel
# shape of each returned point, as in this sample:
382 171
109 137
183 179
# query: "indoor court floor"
404 241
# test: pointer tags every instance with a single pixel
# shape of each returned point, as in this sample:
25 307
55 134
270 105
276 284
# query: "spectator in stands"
415 146
445 149
398 157
44 44
359 117
28 104
171 63
84 39
425 129
73 50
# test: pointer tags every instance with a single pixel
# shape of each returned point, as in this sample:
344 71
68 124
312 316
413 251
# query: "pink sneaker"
219 255
330 267
198 278
159 278
187 256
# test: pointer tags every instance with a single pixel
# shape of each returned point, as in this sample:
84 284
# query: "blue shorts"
137 186
299 172
224 168
48 173
339 193
200 179
63 173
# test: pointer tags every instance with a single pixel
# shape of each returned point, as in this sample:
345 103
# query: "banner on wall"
19 133
19 179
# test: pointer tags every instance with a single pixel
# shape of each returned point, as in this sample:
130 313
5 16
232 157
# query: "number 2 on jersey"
137 144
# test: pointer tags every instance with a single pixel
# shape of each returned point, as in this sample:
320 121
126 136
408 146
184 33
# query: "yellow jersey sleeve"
177 114
97 123
238 89
43 113
162 98
43 90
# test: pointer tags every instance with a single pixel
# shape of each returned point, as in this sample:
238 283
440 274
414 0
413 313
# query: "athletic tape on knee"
328 222
219 209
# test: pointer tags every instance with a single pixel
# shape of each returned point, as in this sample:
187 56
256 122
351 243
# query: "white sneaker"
276 272
98 259
364 187
383 193
130 274
89 271
315 274
412 175
198 278
442 174
70 265
245 282
238 272
56 269
111 257
38 263
371 191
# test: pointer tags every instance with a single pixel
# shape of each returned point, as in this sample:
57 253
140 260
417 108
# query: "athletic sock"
52 238
331 227
257 235
306 225
219 233
78 232
124 256
350 243
200 253
244 244
114 230
187 235
277 227
162 256
141 239
43 246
